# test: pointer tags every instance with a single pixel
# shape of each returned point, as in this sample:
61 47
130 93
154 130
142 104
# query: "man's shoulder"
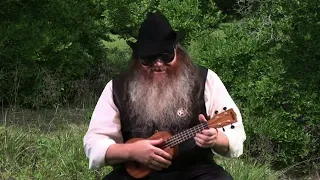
119 79
207 71
199 66
118 82
201 69
120 76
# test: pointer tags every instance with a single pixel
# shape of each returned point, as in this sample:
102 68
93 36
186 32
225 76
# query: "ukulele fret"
185 135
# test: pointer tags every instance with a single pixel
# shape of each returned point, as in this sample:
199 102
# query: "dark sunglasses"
166 57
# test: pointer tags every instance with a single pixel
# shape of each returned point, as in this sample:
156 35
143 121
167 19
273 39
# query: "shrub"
247 60
47 48
191 16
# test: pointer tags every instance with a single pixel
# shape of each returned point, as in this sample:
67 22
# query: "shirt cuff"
97 153
235 144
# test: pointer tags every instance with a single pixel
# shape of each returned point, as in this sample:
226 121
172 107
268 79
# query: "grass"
248 169
48 145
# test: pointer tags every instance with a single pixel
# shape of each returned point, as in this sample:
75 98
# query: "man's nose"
158 62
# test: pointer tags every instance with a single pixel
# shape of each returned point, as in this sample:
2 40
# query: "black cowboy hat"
155 36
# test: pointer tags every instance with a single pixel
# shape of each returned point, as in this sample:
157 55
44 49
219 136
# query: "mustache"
158 68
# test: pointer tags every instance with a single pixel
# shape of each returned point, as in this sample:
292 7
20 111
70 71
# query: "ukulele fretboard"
184 135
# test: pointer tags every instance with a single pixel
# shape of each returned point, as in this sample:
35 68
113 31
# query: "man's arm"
103 131
103 142
229 142
118 153
222 144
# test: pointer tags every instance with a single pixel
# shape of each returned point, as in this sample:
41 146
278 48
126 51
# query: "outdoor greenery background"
57 56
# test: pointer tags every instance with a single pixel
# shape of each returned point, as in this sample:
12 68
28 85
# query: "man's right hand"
146 152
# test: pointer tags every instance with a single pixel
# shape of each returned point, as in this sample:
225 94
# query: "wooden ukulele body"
170 145
139 170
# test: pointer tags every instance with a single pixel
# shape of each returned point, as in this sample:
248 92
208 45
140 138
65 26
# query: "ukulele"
170 144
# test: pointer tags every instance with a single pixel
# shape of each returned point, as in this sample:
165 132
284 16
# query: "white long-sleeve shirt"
105 128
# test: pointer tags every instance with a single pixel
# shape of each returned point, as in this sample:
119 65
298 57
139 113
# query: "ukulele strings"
182 136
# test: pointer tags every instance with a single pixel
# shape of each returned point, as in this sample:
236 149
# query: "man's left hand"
208 137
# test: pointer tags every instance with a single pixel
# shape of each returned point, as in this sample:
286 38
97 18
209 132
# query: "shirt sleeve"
103 130
216 98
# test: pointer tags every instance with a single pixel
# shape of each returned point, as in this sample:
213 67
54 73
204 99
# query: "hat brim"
149 48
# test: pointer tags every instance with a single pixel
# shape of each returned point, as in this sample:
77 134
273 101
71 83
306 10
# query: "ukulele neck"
184 135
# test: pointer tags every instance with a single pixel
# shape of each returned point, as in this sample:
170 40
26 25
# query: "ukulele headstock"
223 119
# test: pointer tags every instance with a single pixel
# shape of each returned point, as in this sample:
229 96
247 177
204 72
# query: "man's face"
158 89
159 66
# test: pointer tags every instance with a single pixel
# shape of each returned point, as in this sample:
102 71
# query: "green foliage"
272 74
47 48
125 16
191 16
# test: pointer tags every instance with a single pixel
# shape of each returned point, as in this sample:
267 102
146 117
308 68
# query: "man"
162 91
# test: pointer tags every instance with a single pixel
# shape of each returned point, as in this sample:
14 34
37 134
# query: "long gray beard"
165 105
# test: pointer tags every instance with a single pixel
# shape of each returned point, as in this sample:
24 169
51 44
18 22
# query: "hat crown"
155 36
155 27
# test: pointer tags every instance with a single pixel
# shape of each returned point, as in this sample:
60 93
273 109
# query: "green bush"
191 16
47 50
256 81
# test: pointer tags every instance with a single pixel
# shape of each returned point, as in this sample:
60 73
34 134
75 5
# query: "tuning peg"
225 108
216 112
223 129
232 126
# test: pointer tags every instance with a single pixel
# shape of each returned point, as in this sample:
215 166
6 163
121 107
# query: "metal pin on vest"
182 112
